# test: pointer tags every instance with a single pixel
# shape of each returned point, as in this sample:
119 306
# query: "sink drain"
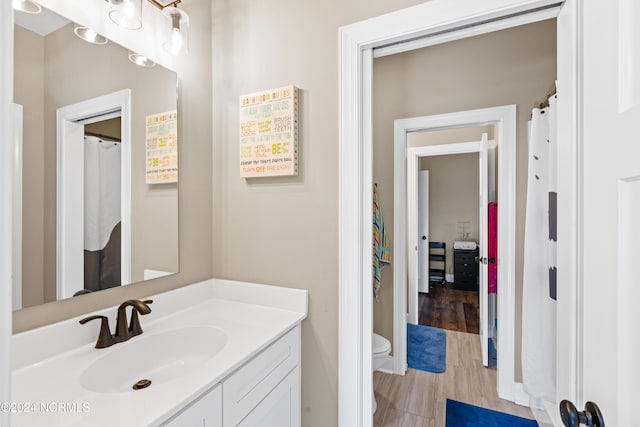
142 384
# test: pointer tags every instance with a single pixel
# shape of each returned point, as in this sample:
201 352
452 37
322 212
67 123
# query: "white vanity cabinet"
263 392
280 408
236 363
205 411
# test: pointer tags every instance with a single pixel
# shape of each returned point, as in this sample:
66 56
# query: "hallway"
450 309
418 399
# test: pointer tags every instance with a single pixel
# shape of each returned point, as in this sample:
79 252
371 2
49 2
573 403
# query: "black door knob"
571 417
424 237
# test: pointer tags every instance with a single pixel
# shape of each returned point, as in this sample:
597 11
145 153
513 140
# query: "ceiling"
42 23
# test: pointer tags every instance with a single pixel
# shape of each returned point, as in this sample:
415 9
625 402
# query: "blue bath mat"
463 415
426 348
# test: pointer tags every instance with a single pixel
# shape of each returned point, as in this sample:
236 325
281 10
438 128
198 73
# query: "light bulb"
129 9
177 40
140 60
127 13
89 35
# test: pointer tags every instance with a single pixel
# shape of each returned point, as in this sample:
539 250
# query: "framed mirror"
91 127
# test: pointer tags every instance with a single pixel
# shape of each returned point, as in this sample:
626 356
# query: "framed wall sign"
161 138
269 133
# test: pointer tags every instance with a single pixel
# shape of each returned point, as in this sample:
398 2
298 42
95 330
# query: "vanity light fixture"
140 60
27 6
177 40
88 35
126 13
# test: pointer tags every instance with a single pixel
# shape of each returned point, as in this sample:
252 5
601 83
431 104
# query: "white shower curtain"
101 191
538 297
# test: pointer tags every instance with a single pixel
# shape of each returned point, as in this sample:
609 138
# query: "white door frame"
69 243
6 192
442 21
406 162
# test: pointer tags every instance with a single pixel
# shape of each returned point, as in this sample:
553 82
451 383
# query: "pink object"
493 248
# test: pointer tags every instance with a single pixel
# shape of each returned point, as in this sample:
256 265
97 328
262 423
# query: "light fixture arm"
162 6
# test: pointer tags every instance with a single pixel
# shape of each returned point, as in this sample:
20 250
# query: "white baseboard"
448 278
387 368
552 414
545 413
520 396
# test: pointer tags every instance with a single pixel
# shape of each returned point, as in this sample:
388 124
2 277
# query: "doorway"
402 31
448 236
71 123
503 122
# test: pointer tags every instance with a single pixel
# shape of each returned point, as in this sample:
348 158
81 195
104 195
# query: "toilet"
381 348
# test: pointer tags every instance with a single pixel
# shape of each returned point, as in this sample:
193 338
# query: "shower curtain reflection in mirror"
102 212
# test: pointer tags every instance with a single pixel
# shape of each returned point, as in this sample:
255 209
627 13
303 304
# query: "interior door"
483 269
609 206
423 232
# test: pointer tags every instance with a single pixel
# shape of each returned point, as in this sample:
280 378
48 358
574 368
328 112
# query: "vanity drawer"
249 385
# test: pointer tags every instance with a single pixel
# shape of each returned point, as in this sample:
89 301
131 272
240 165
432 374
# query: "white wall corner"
6 194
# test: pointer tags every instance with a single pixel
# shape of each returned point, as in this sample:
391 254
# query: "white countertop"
43 379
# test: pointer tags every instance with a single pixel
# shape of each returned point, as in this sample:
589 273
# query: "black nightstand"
465 269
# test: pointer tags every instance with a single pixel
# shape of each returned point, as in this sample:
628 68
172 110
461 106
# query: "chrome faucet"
123 332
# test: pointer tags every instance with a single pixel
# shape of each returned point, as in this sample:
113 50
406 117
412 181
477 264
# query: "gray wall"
284 231
514 66
28 90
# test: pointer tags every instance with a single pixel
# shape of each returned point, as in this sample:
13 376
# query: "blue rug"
426 348
463 415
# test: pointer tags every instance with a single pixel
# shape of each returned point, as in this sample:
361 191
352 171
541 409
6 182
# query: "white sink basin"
159 358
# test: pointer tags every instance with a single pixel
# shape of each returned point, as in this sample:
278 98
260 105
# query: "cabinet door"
280 408
250 384
204 412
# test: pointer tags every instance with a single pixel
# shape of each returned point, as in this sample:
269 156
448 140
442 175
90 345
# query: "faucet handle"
134 325
105 339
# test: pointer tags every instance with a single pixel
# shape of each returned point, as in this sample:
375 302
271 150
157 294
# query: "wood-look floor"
419 398
450 309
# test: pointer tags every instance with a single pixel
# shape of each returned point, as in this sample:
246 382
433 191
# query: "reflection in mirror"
123 230
102 205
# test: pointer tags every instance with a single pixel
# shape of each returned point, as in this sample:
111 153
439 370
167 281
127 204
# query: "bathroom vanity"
216 353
